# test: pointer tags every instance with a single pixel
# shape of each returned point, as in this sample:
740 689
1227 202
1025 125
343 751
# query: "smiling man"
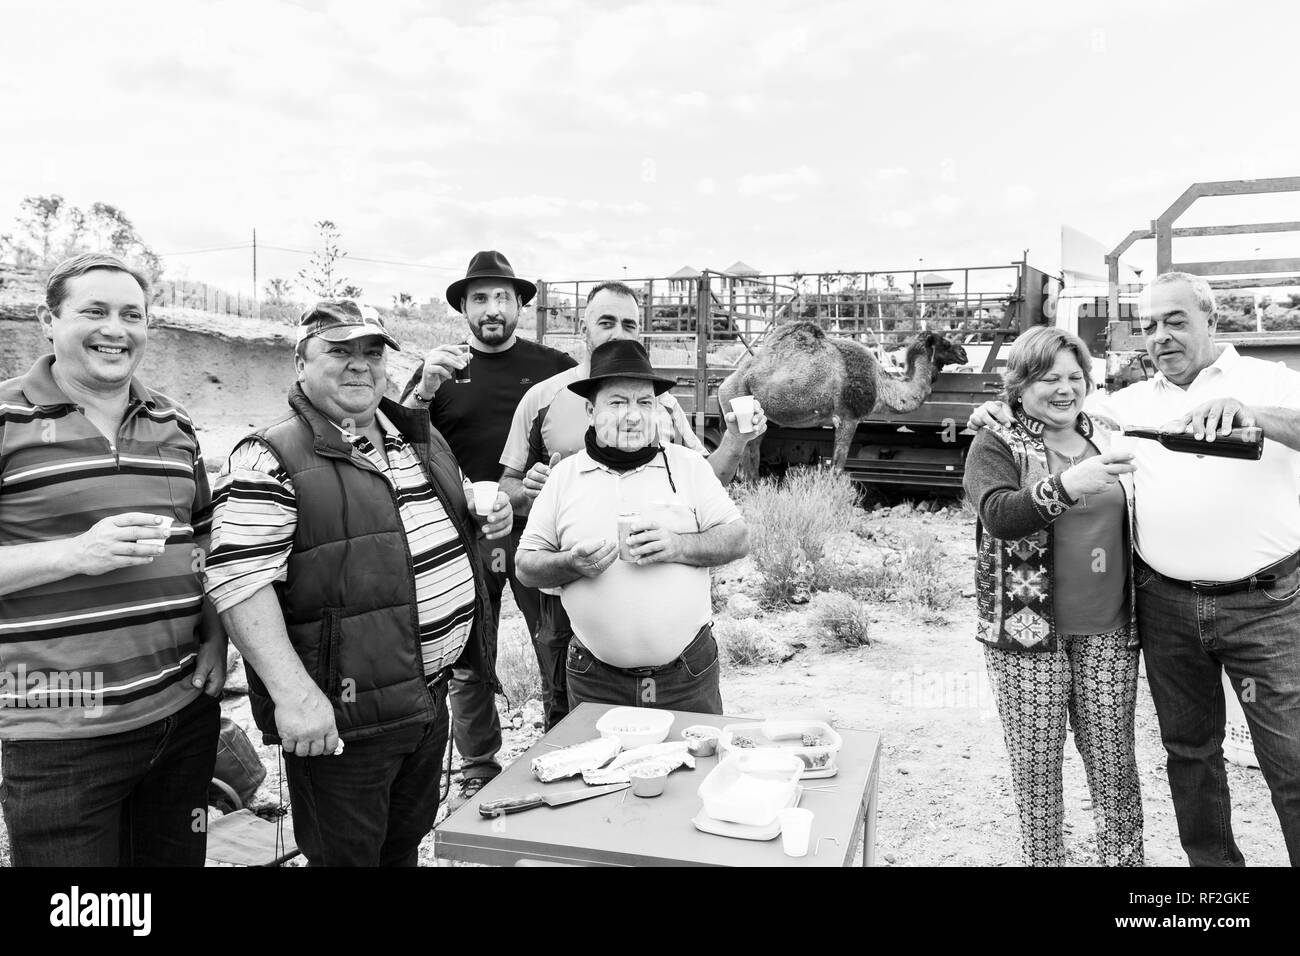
1217 567
111 660
345 566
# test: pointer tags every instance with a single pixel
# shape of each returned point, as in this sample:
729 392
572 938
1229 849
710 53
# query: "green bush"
792 523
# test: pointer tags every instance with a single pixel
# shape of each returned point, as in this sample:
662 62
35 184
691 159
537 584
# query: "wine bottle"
1244 443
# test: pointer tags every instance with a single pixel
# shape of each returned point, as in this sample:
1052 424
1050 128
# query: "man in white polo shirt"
641 622
1216 566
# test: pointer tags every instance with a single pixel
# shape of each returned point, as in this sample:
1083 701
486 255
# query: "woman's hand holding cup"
1093 476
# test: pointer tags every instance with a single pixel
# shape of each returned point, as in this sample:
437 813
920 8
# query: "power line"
352 258
195 252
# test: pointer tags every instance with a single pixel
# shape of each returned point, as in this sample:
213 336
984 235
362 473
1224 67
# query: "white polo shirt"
1210 519
631 616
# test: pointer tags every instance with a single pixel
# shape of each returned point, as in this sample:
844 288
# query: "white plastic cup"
485 496
796 830
744 409
164 531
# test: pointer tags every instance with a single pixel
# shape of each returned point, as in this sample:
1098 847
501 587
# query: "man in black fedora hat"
550 424
470 390
627 529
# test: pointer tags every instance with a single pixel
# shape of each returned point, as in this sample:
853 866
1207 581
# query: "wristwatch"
415 393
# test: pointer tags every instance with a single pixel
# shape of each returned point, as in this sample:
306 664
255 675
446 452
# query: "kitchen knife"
529 800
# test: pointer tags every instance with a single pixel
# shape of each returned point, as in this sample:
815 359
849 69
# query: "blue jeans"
475 724
138 798
372 804
1187 638
688 683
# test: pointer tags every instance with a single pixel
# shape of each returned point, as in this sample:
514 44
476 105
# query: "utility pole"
257 312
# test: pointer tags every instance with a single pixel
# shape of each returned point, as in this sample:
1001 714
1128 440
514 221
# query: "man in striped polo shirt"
345 565
110 659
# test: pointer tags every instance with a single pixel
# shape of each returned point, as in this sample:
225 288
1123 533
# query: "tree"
402 303
277 291
321 278
351 292
41 216
56 230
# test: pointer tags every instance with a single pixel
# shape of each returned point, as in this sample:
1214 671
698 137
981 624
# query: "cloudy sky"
585 139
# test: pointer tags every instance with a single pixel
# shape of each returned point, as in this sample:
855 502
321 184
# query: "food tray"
740 831
775 735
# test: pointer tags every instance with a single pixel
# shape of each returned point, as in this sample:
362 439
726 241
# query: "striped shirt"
93 655
256 517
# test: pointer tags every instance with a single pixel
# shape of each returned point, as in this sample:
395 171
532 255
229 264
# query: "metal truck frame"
924 448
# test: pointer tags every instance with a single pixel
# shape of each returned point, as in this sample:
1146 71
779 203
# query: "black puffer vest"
349 602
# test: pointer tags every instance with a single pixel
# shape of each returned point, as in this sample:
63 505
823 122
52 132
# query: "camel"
805 378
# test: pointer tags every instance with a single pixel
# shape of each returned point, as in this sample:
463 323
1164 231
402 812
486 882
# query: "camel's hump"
800 334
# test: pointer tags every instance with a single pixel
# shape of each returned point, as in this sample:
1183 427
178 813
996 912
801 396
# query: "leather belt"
1263 578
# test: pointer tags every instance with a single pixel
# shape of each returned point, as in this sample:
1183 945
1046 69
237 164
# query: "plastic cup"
624 530
485 497
461 375
744 409
796 830
164 531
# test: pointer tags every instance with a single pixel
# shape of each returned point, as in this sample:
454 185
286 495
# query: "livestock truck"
983 308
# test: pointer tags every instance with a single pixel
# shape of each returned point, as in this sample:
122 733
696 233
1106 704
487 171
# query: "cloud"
706 186
780 187
1018 194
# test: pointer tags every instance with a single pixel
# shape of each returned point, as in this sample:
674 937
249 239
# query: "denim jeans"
688 683
138 798
372 804
475 724
1255 636
554 633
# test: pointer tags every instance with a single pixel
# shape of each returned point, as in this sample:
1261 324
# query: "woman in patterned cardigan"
1055 596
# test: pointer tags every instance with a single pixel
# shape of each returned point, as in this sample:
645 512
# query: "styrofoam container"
785 736
751 788
635 726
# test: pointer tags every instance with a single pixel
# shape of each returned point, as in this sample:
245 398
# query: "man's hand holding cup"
492 507
441 364
119 541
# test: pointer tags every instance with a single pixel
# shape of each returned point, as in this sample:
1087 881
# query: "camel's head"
939 351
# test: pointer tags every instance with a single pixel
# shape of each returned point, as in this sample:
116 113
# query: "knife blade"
494 808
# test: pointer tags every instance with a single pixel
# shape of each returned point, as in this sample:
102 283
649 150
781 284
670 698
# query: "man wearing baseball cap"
345 566
471 390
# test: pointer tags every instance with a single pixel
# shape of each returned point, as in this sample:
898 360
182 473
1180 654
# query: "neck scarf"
616 459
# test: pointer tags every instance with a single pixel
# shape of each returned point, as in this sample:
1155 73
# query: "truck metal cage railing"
871 306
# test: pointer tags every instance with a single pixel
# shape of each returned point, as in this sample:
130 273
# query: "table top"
622 829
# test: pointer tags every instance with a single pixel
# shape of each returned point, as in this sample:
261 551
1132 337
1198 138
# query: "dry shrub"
517 665
792 523
922 573
844 619
742 643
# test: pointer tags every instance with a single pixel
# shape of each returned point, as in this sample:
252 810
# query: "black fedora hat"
489 265
621 358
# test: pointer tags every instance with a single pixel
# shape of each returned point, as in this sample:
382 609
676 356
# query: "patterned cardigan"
1017 500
